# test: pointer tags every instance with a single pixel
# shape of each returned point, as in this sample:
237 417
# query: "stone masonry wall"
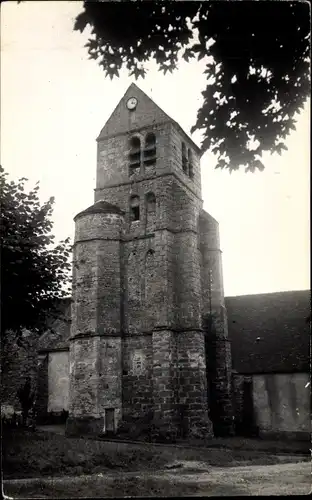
113 158
122 120
187 282
137 397
218 351
139 276
110 376
176 140
95 347
165 390
192 384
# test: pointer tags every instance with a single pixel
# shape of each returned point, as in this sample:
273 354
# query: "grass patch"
130 486
36 454
40 454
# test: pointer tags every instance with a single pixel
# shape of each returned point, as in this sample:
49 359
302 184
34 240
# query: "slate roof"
101 207
270 333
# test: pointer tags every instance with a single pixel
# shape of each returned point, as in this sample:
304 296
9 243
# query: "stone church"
148 327
143 348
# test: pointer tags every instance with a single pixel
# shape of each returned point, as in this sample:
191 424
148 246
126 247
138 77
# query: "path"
196 479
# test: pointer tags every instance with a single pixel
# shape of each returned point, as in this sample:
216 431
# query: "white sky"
54 102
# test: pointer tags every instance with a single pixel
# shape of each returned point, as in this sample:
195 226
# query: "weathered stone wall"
282 403
113 159
187 281
211 263
140 268
122 121
110 376
192 384
58 381
218 350
95 347
272 405
137 395
165 391
176 139
96 274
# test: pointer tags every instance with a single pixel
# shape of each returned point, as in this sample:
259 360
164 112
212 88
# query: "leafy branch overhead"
34 271
256 57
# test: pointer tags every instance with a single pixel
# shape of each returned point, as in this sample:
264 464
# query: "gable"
122 120
270 333
146 114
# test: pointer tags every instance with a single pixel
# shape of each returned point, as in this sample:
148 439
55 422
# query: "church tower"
143 253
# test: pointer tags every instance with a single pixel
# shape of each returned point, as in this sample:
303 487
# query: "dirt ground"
47 464
186 479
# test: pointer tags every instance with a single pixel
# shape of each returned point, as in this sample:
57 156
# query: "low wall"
58 381
282 402
274 404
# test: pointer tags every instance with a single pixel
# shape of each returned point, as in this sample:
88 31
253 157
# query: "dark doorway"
110 420
248 417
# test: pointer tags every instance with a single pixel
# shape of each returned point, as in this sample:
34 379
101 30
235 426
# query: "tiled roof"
101 207
270 332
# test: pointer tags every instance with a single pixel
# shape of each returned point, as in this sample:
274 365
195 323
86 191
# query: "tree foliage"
34 271
256 61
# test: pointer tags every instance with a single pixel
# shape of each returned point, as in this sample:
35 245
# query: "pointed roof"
147 113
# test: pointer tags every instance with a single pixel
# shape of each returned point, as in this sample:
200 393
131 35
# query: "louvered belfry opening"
150 149
135 155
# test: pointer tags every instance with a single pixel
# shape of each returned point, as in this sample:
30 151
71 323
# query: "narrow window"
150 203
184 159
190 164
149 277
150 149
134 208
134 155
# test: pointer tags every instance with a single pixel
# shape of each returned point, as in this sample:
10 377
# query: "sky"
55 101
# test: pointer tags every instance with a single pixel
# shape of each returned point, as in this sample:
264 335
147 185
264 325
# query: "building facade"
143 343
149 329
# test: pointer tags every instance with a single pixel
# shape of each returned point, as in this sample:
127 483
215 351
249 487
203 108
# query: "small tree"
34 272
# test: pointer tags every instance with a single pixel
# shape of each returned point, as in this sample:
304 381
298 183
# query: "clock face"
132 103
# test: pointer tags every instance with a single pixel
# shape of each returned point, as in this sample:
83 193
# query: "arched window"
190 164
184 159
134 208
150 203
150 149
134 155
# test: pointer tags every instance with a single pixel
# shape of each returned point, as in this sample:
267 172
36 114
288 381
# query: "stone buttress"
218 348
